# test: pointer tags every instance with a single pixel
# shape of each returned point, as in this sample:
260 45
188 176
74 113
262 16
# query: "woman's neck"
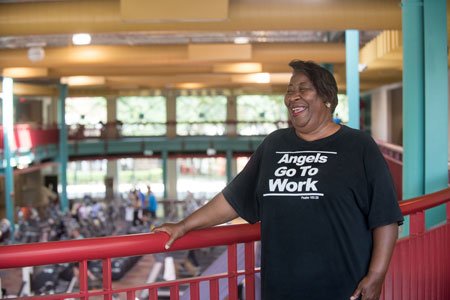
326 129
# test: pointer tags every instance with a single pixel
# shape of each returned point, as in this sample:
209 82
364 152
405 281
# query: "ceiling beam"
104 16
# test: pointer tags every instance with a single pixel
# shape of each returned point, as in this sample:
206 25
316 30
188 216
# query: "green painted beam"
413 95
63 148
436 103
352 76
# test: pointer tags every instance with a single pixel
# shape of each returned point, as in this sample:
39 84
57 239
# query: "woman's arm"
384 239
216 211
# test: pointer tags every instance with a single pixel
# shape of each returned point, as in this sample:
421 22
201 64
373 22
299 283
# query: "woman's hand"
369 288
216 211
174 230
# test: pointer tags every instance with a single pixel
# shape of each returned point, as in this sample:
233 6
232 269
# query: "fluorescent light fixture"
237 68
190 85
251 78
241 40
280 78
80 39
25 72
83 80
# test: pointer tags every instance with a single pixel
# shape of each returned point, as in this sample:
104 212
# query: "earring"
328 104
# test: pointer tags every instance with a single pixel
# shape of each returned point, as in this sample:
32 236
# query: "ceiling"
140 46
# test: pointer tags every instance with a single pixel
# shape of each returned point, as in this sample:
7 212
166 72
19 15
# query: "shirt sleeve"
383 202
241 191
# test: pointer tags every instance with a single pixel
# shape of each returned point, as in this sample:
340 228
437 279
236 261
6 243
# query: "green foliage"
138 114
85 110
141 109
266 108
201 109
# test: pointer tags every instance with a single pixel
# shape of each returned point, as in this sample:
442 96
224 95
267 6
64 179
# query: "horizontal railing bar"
33 254
185 281
425 202
155 285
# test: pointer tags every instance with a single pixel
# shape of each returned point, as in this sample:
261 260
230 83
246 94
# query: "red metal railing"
82 251
28 136
420 267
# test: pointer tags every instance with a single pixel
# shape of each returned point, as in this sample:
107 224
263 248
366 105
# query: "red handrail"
14 256
425 202
422 254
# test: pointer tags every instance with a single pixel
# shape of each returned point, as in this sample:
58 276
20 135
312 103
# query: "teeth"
298 109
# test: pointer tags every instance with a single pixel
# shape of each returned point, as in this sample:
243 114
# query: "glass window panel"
142 116
203 115
86 177
204 177
137 173
83 115
260 114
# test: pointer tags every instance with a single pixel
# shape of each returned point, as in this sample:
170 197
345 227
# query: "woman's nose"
292 96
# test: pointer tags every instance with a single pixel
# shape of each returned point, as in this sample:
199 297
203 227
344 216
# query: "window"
83 116
260 114
204 115
204 177
142 116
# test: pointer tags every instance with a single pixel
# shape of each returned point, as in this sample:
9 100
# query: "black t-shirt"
318 203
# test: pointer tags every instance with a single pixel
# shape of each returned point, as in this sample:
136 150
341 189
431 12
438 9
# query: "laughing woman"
324 196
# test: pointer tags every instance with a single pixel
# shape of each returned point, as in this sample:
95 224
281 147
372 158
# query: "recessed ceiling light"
241 40
81 39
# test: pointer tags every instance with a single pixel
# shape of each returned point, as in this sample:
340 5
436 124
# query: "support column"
63 149
231 116
352 76
425 101
413 99
381 115
111 109
112 170
164 158
8 141
171 111
172 178
436 103
229 158
169 167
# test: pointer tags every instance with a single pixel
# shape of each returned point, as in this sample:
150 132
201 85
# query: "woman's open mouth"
298 110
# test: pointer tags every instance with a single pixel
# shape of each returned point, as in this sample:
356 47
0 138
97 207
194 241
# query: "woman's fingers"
173 230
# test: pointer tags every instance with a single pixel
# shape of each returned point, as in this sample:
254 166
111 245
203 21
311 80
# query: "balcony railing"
420 267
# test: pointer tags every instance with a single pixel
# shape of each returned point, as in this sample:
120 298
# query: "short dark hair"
321 78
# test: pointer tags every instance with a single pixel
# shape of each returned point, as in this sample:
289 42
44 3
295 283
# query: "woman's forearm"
384 239
216 211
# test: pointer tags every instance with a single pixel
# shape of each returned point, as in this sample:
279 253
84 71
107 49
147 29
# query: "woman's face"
307 110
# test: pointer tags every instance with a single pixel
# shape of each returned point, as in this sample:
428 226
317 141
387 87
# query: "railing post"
107 283
174 292
250 271
131 295
83 279
232 271
194 291
417 223
214 289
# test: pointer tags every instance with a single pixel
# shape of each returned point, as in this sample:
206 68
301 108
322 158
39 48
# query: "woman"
324 196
